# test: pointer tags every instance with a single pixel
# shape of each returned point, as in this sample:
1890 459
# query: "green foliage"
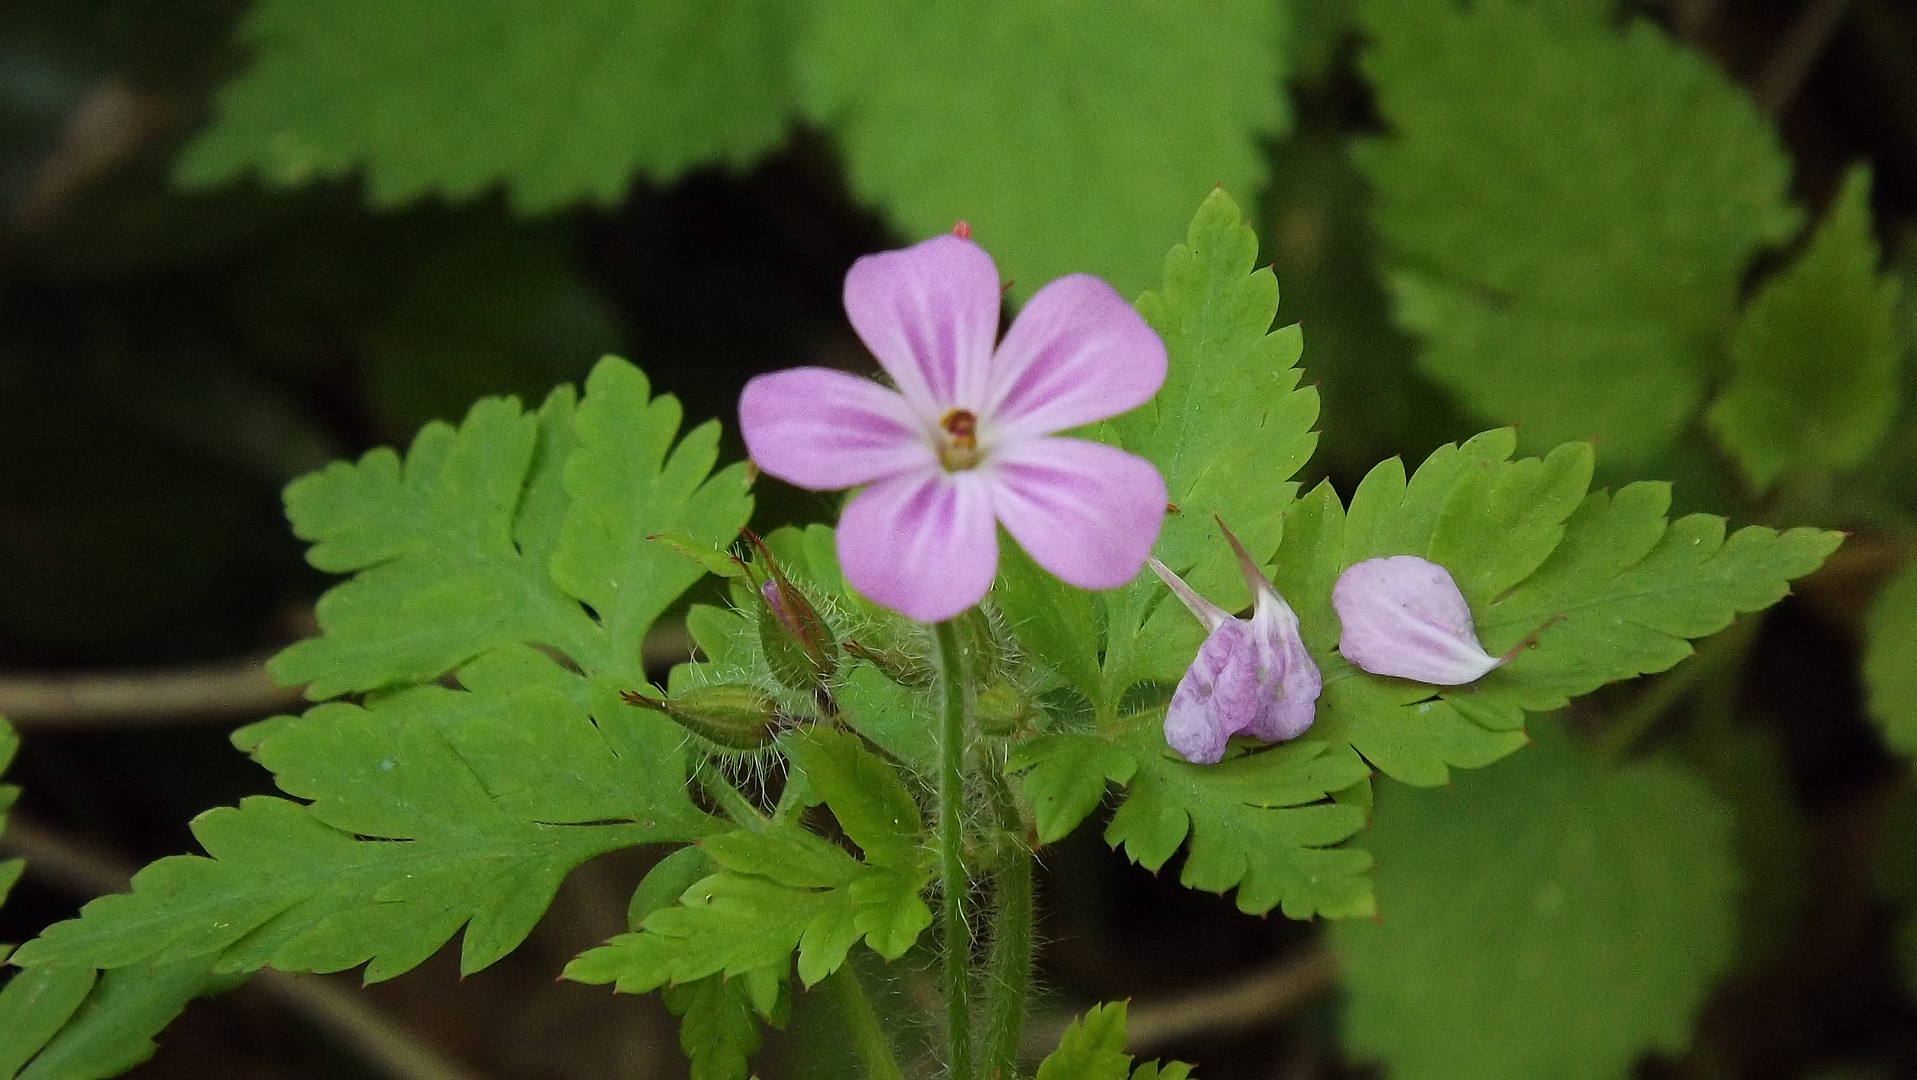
465 796
9 868
1259 822
1816 353
558 106
1552 917
1229 429
479 540
33 1006
1890 660
716 1028
113 1029
1093 1048
1569 211
782 888
1066 133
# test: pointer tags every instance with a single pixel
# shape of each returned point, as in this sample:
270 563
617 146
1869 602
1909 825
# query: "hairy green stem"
1009 976
951 830
729 799
868 1038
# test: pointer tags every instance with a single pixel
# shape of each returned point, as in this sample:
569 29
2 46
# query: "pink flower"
1251 676
966 441
1404 616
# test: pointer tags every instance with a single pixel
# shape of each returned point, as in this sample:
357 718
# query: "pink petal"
1208 613
929 313
922 544
1077 353
825 429
1287 674
1404 616
1217 697
1087 512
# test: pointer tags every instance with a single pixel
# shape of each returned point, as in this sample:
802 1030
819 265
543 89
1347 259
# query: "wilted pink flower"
1251 676
966 440
1404 616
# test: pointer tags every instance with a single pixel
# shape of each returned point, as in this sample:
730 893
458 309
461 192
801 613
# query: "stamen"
960 448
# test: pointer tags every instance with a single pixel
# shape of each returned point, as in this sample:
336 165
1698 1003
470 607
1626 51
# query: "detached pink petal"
1404 616
825 429
929 313
1282 659
1216 696
922 544
1076 354
1087 512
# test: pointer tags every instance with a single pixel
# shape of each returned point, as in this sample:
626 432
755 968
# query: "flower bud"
737 717
1404 616
799 646
1000 709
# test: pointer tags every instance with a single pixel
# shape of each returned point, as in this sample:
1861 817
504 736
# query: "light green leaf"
1568 210
892 716
1547 918
1228 431
113 1029
1073 136
1890 660
787 854
716 1028
561 105
1093 1048
624 488
463 795
466 547
865 795
1816 353
663 884
9 868
1053 620
33 1006
1065 777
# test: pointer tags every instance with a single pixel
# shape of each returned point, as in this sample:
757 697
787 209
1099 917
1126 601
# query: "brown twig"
1797 54
229 690
387 1046
1252 1001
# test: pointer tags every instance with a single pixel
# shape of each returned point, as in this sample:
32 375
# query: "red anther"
962 230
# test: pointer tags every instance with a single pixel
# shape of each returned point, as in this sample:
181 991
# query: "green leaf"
1228 431
34 1005
9 868
1616 589
559 106
866 796
716 1028
666 881
1258 822
1065 778
432 809
787 854
1547 918
1890 660
892 716
1053 620
113 1029
1085 128
1093 1048
1568 211
453 549
1816 353
628 481
727 924
712 560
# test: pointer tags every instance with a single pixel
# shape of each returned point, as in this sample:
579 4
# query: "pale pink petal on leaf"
825 429
1216 698
1404 616
922 544
1288 673
1087 512
929 313
1077 353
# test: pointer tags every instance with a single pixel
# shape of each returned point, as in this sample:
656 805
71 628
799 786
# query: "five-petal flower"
968 439
1251 676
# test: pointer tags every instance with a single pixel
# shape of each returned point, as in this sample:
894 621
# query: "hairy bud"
733 716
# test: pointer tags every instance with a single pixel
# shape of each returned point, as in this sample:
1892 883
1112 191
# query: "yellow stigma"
959 449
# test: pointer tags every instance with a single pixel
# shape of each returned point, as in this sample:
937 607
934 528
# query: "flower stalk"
951 836
1009 975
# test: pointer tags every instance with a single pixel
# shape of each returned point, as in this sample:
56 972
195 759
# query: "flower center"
959 449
